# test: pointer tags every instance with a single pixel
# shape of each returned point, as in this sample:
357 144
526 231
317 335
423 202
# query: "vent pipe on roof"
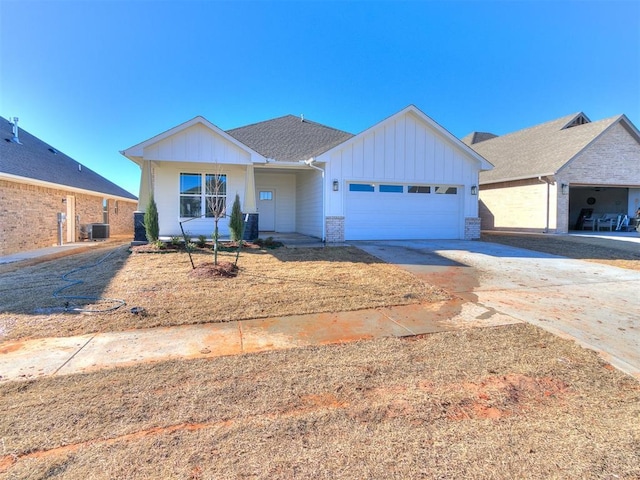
15 138
302 117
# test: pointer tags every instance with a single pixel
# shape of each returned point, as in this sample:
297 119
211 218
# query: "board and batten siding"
309 203
284 187
402 150
167 197
197 144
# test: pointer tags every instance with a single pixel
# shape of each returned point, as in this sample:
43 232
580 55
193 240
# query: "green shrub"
175 240
236 223
151 226
202 241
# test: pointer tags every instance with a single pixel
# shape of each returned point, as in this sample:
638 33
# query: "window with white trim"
202 192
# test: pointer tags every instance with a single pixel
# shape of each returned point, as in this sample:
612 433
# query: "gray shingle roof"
539 150
477 137
289 138
37 160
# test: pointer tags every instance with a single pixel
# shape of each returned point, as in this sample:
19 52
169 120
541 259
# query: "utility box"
86 232
99 231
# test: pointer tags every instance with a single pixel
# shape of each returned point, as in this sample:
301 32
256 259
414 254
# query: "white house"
404 178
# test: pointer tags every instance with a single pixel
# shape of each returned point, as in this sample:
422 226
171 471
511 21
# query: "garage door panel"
388 216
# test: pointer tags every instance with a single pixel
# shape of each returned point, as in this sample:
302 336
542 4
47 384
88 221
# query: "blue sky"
95 77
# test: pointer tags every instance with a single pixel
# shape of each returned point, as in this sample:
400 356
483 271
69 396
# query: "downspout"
546 180
309 163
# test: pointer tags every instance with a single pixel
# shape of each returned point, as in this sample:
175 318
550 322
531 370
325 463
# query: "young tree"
235 221
216 195
151 226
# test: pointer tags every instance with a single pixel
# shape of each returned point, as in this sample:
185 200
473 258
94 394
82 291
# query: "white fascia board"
456 143
515 179
138 150
279 164
58 186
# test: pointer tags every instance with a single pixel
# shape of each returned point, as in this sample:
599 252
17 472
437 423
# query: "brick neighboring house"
37 182
548 177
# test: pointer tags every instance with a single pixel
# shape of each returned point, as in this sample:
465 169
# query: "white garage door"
403 212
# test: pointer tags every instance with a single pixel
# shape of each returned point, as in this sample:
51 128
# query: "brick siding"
28 215
472 228
518 205
335 229
613 159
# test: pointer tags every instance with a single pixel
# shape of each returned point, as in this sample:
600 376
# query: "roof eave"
60 186
515 179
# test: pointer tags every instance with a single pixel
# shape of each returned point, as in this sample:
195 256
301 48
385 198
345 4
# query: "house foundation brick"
334 229
28 215
472 228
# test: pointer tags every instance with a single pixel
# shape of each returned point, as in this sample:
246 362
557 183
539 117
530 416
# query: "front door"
267 210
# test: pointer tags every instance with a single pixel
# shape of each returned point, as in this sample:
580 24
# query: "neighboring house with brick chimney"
38 183
406 177
553 176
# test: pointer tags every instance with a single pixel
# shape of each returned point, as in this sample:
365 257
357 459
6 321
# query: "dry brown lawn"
500 403
495 403
284 281
618 253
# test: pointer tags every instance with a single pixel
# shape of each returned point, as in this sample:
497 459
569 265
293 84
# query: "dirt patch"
269 283
212 270
501 403
618 253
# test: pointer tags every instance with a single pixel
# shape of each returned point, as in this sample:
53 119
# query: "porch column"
249 204
146 186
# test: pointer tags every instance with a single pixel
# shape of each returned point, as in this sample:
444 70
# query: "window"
418 189
105 210
190 194
361 187
391 188
202 193
216 195
266 195
447 190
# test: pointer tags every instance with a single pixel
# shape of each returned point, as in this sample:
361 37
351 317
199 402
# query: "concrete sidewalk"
30 359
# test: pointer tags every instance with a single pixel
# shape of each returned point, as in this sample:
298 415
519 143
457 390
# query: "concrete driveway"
597 305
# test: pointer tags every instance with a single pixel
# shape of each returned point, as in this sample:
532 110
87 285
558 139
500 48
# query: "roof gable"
431 124
289 138
137 152
33 159
542 149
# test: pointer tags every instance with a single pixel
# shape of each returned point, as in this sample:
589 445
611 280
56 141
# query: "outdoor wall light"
336 185
565 189
474 189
